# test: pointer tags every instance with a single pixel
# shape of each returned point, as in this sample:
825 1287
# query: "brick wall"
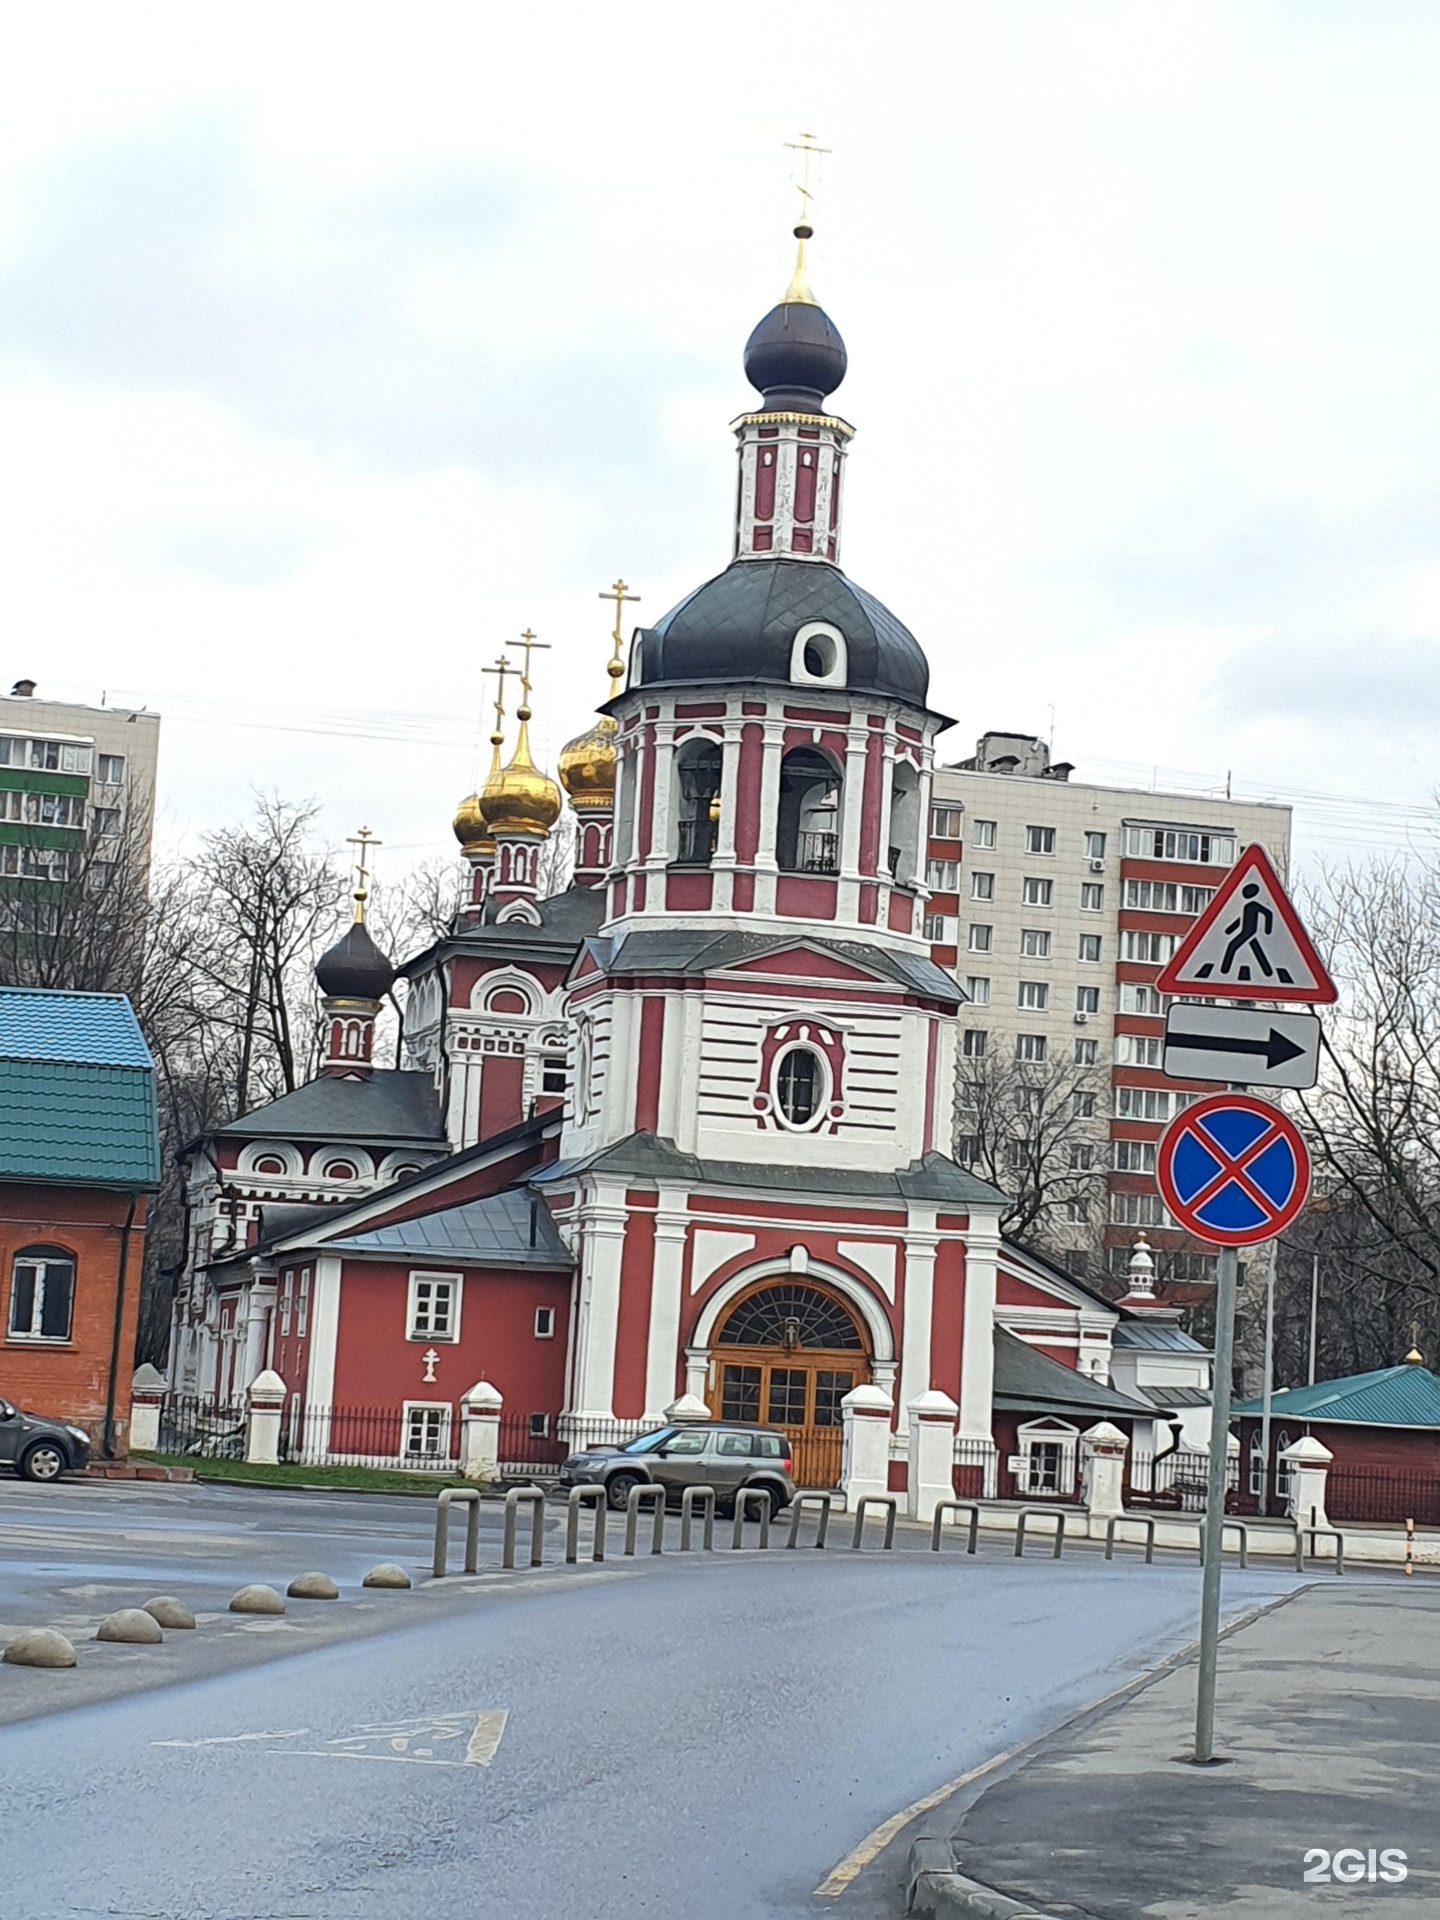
68 1380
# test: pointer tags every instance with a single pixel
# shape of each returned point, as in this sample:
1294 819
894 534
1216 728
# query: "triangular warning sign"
1249 943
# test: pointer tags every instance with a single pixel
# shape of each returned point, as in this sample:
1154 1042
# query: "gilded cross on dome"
619 593
799 289
364 840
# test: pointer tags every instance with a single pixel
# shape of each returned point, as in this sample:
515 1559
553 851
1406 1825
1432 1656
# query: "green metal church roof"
1404 1396
77 1091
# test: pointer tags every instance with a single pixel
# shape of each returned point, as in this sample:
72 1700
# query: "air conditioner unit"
1082 1019
1097 866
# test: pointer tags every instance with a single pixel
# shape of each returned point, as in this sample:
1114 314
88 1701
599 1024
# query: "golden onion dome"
519 798
587 767
470 828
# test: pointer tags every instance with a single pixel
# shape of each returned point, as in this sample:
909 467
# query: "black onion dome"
795 357
742 625
354 968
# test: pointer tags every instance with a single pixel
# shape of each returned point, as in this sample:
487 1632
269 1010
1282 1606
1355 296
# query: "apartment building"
1056 904
72 776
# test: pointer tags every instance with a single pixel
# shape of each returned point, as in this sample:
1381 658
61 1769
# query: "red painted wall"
502 1094
647 1084
633 1320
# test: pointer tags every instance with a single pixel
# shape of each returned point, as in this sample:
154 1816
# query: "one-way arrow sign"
1241 1046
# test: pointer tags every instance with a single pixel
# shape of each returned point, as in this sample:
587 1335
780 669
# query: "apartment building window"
1092 897
1028 1099
43 809
1141 1000
1087 999
1196 899
1090 947
1035 943
967 1148
1077 1209
974 1043
1154 949
982 833
53 756
982 886
977 989
942 876
1138 1210
934 927
945 823
105 821
1138 1050
1087 1053
968 1098
981 939
1150 1103
1030 1048
1040 839
1037 893
1082 1156
1134 1156
1034 995
1182 844
1082 1106
1095 846
110 769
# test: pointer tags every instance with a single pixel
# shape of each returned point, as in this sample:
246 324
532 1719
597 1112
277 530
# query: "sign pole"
1214 1533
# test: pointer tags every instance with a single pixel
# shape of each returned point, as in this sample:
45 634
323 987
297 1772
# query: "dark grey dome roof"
742 624
354 968
795 357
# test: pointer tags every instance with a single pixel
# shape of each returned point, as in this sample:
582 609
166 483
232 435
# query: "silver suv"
726 1456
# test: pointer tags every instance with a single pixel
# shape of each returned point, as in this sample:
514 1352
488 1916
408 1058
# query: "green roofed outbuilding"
79 1158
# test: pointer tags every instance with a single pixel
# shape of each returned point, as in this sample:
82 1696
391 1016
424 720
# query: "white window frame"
1033 996
447 1414
977 989
419 1276
982 886
547 1331
1035 892
1092 896
1034 943
1035 842
836 671
982 833
981 938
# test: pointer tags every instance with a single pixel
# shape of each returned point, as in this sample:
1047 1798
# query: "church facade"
674 1141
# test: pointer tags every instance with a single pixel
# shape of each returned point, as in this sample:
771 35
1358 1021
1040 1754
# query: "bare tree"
75 917
1032 1128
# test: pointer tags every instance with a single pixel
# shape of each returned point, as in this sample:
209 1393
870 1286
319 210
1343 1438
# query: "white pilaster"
977 1352
672 1225
602 1249
932 1454
921 1242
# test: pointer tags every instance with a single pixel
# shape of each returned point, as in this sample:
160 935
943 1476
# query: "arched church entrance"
787 1354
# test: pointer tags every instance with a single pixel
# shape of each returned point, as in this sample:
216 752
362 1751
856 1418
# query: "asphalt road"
702 1738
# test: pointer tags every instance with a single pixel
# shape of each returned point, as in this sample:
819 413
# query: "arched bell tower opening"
787 1353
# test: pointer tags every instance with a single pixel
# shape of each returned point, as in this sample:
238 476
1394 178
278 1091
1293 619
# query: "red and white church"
677 1136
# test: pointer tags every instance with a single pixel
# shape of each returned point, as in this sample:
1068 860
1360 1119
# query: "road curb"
948 1895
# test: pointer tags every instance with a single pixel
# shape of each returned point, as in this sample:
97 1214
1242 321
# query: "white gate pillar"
865 1451
1103 1448
932 1453
480 1432
264 1398
1309 1464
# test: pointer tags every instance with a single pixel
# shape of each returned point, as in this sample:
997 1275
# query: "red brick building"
79 1158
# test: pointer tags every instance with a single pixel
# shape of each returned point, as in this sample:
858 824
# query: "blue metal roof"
84 1029
1155 1335
1404 1396
507 1229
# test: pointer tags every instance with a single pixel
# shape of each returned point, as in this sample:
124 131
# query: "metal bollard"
972 1507
704 1497
797 1508
745 1499
535 1496
584 1497
1057 1514
1312 1534
1136 1519
1234 1526
655 1498
889 1501
448 1496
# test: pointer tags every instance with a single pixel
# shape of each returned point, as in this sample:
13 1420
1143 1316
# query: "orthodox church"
676 1138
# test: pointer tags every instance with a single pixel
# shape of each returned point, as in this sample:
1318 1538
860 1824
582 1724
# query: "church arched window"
697 782
800 1086
905 823
807 838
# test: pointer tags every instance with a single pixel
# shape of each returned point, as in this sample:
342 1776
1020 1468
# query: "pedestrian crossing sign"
1249 943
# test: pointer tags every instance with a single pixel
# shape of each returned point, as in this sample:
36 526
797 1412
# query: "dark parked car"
726 1456
41 1449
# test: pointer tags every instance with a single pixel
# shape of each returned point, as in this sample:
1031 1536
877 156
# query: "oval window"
799 1086
820 656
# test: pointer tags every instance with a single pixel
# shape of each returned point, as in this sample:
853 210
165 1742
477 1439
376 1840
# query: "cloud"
1341 680
426 321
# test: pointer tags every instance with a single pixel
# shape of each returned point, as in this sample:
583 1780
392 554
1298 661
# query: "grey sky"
339 343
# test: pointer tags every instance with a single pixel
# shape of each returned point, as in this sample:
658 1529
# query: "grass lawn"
358 1479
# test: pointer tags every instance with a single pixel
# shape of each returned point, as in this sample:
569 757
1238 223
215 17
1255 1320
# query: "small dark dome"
742 625
354 968
795 357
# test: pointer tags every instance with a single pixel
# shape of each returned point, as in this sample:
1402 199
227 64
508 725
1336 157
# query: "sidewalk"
1328 1718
